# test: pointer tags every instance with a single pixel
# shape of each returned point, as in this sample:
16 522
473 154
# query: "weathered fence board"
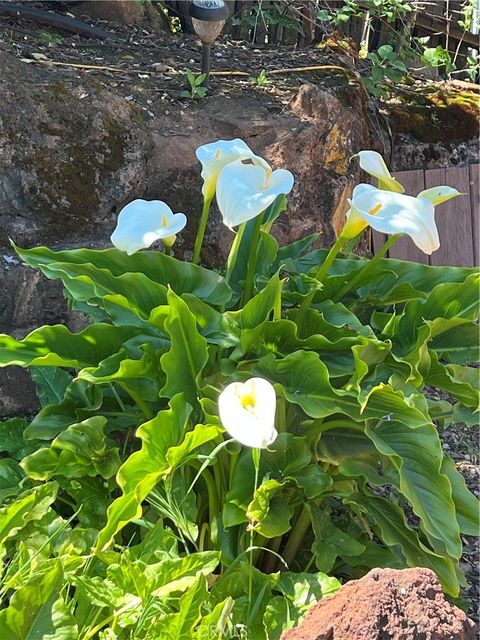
475 206
294 22
454 220
457 220
405 249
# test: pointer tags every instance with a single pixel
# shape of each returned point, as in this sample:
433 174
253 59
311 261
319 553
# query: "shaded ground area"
151 66
148 68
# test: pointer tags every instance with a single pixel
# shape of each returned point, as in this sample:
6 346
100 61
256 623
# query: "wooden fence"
457 220
297 23
439 19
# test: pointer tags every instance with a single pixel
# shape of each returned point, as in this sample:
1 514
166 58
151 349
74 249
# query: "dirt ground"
148 69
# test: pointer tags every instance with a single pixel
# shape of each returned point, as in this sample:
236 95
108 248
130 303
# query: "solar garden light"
208 18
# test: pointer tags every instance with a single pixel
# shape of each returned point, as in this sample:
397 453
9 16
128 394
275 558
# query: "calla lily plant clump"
215 453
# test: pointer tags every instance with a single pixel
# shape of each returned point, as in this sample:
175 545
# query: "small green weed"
51 38
195 81
261 80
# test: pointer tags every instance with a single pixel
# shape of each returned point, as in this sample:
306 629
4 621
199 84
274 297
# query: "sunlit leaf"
31 613
29 505
187 356
141 471
418 455
56 346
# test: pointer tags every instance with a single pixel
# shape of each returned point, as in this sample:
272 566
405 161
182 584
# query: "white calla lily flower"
373 163
361 188
355 223
437 195
141 222
393 213
245 190
247 411
216 155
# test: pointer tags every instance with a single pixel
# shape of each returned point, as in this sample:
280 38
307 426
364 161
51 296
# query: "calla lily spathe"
216 155
393 213
141 222
245 190
373 163
437 195
247 411
355 223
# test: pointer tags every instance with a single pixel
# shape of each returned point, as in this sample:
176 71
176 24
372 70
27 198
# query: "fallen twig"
53 19
277 72
174 72
75 65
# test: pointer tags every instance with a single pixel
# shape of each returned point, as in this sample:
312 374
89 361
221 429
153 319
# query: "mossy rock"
438 116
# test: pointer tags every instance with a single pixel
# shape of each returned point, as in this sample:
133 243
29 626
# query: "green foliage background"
125 512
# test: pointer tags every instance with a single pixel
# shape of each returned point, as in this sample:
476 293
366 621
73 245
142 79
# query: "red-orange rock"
391 604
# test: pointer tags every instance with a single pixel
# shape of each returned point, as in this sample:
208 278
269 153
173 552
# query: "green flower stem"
117 398
201 231
320 275
361 273
260 548
219 475
309 564
252 260
223 460
256 453
126 441
296 536
111 618
281 415
277 309
232 256
202 537
331 255
94 630
351 244
205 464
233 463
213 501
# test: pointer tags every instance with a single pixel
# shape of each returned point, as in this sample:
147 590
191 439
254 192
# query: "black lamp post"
208 18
